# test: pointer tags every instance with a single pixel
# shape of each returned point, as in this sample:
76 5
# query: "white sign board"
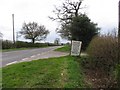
76 48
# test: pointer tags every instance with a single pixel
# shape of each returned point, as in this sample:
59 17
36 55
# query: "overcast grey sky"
103 12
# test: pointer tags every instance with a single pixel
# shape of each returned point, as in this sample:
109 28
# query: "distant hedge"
7 44
20 44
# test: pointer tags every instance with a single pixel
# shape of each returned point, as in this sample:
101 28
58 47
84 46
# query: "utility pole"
13 29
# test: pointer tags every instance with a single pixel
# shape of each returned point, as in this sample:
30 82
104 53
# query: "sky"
102 12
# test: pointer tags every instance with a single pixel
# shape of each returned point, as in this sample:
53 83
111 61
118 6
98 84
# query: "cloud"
103 12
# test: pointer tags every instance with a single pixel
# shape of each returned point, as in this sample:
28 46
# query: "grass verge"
62 72
13 49
65 48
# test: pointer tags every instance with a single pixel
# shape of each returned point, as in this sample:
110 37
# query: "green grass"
66 48
15 49
62 72
117 74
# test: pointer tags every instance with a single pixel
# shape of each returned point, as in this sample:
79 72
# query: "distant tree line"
31 31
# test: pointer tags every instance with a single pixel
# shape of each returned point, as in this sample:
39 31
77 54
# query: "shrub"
104 52
7 44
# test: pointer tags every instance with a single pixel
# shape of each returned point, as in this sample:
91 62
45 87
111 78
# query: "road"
22 55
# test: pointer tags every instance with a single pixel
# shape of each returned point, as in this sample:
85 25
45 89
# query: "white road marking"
33 56
24 59
38 54
12 63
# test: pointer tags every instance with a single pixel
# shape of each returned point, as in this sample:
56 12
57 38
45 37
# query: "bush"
104 52
7 44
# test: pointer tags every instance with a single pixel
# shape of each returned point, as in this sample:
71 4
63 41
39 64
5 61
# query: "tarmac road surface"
12 57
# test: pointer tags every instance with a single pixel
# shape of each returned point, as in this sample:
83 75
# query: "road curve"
21 55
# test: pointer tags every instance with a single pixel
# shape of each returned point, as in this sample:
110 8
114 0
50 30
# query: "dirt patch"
96 77
99 79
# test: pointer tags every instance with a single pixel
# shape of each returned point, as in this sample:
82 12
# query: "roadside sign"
76 48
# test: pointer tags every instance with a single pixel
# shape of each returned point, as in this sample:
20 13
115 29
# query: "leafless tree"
34 32
67 11
64 15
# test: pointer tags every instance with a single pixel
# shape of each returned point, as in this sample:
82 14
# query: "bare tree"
34 32
65 14
67 11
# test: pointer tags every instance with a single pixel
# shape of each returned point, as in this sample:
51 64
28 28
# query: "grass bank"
65 48
62 72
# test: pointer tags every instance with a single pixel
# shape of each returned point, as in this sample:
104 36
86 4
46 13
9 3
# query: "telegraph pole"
13 29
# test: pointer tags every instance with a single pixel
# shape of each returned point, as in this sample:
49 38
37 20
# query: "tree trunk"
33 40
